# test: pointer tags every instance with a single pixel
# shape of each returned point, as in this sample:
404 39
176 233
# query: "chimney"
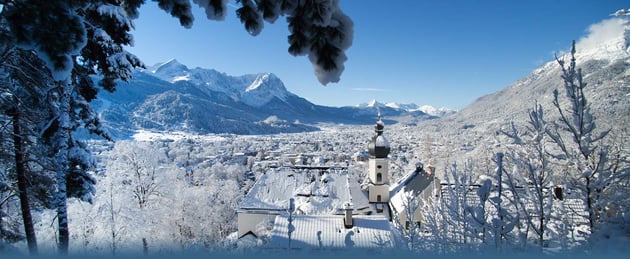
419 167
347 219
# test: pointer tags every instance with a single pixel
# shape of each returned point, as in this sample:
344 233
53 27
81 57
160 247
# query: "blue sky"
444 53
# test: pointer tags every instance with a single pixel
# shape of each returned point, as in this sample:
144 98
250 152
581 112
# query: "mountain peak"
260 79
372 103
265 87
408 107
170 70
171 64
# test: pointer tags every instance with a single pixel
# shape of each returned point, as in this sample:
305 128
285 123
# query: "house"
421 183
314 190
329 232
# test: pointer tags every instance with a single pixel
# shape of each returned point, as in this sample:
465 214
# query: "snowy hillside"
605 63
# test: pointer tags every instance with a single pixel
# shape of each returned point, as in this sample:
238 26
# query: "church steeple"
379 146
378 188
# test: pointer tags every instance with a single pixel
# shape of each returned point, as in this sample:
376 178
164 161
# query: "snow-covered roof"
315 191
397 201
414 181
328 231
360 201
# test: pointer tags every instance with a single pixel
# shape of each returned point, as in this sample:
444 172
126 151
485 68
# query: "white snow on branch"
211 12
340 21
116 12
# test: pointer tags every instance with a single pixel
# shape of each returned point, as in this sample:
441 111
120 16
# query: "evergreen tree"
71 63
12 107
23 93
318 29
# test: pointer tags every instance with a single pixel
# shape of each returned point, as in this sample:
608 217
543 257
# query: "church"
323 207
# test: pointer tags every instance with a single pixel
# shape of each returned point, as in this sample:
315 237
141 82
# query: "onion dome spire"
379 146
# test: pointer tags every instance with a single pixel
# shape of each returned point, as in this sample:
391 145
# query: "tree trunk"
21 171
145 247
589 204
62 210
63 165
498 236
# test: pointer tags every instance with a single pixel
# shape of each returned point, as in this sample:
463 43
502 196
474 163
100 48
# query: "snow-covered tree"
449 220
319 29
532 174
139 166
505 216
9 224
437 241
477 212
409 228
594 170
91 42
20 97
35 26
471 214
195 216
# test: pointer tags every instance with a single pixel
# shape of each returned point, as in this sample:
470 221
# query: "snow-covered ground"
198 182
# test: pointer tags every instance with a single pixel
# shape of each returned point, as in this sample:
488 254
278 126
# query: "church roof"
315 191
379 146
328 231
416 181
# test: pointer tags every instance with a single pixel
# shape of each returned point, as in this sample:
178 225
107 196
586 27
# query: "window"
407 224
379 166
379 177
378 198
557 191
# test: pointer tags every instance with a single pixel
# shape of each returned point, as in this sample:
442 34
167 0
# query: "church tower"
378 186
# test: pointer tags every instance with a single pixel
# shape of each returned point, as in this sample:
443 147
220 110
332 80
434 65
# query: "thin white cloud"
602 32
621 12
605 36
367 89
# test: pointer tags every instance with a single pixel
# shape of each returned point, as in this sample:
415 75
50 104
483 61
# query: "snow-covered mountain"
254 90
173 97
409 107
605 63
